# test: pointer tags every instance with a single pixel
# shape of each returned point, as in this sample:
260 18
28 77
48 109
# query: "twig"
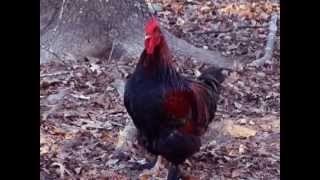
60 14
80 96
115 123
115 112
110 54
54 74
51 52
61 11
233 29
270 43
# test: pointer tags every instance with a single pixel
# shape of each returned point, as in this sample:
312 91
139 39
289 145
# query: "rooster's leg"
174 173
153 171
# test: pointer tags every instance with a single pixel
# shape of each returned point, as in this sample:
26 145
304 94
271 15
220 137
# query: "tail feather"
213 74
213 77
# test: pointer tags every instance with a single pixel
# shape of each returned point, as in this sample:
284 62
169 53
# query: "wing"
189 109
179 109
205 104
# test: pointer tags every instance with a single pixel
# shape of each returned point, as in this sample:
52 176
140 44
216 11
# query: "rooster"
170 111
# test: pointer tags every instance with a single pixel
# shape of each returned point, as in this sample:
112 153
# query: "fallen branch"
270 43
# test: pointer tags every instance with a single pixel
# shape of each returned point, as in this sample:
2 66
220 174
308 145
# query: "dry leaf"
95 68
235 173
145 177
233 152
238 131
105 137
197 73
205 9
77 170
44 149
58 131
180 21
62 169
265 127
275 123
237 105
268 7
243 121
242 148
177 7
69 135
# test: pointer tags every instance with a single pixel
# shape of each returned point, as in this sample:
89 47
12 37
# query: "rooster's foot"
155 171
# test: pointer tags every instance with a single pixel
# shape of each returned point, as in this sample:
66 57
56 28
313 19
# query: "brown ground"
82 111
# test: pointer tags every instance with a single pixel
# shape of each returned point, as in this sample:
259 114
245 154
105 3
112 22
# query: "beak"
147 37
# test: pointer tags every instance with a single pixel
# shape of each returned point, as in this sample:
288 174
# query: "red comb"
151 25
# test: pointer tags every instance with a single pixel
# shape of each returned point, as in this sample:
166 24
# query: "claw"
155 171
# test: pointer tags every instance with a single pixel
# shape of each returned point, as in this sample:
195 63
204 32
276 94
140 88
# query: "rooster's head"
152 35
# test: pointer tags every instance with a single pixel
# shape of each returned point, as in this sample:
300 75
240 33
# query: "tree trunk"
72 29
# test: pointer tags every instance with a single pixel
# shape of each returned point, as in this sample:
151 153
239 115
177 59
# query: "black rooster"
170 111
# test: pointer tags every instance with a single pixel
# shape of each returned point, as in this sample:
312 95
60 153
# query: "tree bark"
72 29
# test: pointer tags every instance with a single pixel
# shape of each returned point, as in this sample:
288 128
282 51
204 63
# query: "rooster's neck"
164 52
159 64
